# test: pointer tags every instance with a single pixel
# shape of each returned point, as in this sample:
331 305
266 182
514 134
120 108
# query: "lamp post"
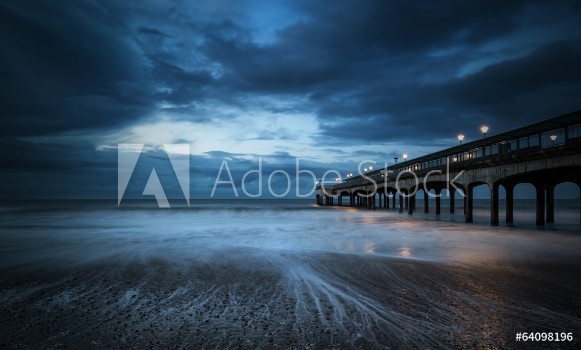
484 130
405 157
460 138
395 158
553 138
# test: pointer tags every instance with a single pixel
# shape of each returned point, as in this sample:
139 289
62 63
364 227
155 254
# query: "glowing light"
484 129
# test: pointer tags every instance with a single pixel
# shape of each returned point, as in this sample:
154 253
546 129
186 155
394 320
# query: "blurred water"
285 274
73 232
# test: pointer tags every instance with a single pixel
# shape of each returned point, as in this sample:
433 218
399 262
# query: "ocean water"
287 274
73 232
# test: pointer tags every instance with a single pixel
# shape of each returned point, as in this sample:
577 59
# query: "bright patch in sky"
261 134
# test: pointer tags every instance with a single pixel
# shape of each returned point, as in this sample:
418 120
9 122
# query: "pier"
544 154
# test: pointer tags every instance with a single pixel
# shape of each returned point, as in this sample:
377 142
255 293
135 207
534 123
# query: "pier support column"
393 199
401 202
438 201
426 203
373 201
579 184
550 203
385 200
407 201
412 201
382 200
494 204
379 200
468 206
540 204
509 202
452 192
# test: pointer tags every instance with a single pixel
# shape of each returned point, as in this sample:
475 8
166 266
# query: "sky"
333 83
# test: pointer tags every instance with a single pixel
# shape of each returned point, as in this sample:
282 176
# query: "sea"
283 274
57 232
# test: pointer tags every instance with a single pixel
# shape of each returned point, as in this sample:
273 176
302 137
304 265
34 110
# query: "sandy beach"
241 300
105 278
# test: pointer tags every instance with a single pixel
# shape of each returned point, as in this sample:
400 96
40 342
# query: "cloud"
369 79
67 67
505 95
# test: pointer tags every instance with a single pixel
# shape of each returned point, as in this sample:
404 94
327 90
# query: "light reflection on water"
85 233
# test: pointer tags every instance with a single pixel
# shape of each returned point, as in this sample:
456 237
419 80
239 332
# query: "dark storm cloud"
340 36
367 71
270 69
85 65
184 85
379 71
151 31
507 95
66 67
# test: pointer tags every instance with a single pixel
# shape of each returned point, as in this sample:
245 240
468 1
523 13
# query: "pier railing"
559 135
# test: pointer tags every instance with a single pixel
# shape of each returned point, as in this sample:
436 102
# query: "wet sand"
285 276
247 298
